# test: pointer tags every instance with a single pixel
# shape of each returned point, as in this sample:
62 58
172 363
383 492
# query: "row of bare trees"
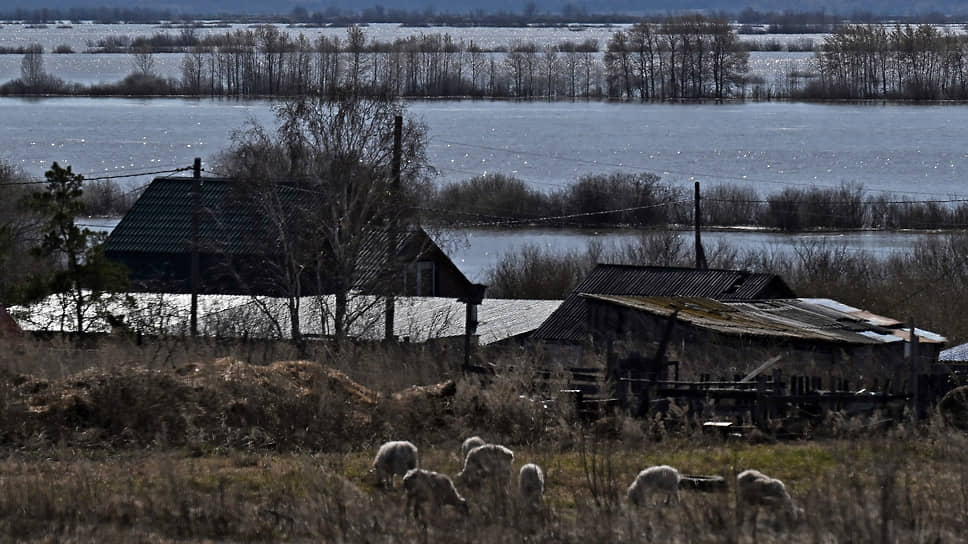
265 61
877 61
689 56
682 57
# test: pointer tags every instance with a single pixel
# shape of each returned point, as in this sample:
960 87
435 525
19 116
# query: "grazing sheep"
395 457
658 479
488 462
425 486
470 444
531 484
755 489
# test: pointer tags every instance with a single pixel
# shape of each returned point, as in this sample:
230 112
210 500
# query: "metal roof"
160 222
568 323
956 354
161 219
417 318
802 318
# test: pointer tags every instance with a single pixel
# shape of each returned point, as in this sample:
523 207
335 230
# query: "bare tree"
32 67
336 153
144 59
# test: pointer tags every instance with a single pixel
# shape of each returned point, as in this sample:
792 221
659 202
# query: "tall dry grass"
198 446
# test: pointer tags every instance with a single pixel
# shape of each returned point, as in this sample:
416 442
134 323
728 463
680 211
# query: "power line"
841 202
572 216
98 178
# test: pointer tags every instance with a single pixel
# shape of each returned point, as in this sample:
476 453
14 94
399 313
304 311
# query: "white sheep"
426 486
489 462
395 457
755 489
531 484
661 479
470 444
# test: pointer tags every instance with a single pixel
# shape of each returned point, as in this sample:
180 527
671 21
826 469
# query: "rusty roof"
568 323
798 318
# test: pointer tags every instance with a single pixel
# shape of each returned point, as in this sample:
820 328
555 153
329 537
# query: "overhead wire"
98 178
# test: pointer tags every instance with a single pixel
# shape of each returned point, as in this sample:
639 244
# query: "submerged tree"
32 66
337 154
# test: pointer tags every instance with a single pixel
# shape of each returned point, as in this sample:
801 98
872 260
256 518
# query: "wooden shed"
725 339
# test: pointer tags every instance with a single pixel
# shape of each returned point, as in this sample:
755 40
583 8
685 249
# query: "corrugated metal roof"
803 319
161 222
568 323
418 318
956 354
161 219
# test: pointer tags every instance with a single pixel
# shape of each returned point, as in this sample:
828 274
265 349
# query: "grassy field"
891 489
213 449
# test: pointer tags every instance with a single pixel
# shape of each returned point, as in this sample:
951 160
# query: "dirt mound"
421 392
226 401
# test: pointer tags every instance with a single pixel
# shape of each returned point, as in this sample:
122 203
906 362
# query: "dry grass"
851 491
224 450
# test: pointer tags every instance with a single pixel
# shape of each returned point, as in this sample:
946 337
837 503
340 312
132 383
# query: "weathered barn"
565 333
240 249
727 340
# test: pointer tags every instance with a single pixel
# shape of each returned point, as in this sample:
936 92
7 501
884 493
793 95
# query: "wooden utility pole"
196 212
393 227
700 254
915 374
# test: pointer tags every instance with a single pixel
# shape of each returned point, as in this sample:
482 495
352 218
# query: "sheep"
470 444
755 489
425 486
531 484
658 479
488 462
395 457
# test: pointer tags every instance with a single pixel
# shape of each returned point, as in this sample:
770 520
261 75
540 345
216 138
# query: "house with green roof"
240 249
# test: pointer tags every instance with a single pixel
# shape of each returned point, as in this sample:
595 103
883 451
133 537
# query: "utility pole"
915 374
393 227
196 212
700 254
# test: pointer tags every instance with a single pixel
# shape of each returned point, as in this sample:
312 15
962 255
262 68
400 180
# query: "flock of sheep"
490 465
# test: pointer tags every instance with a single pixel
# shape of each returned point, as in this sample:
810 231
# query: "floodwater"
908 151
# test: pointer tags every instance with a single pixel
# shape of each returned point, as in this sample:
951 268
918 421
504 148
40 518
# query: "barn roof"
799 318
417 318
568 323
956 354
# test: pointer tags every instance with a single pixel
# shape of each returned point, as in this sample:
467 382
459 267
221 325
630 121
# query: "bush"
106 198
492 197
640 198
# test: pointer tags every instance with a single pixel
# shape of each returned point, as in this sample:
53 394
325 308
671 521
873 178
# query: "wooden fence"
767 398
